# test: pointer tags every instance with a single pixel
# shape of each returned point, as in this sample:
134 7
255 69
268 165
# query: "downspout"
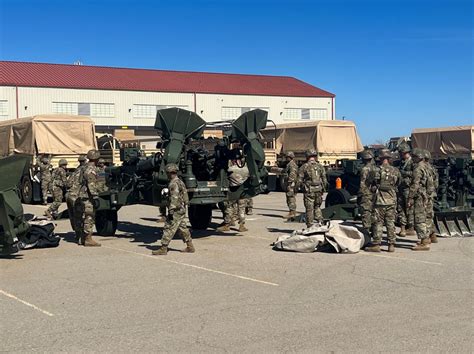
195 102
332 108
17 114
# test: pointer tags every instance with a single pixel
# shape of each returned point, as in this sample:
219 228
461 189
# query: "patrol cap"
44 159
311 152
93 155
403 148
290 154
62 162
366 155
82 158
385 154
417 152
171 168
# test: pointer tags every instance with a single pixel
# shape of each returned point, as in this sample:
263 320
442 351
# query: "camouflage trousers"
235 210
45 189
74 219
312 203
430 216
248 205
291 198
57 200
405 213
384 215
419 211
85 213
366 206
175 224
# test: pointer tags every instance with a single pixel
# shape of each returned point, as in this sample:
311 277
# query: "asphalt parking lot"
234 294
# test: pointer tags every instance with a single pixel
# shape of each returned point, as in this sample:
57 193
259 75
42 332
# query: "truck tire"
337 196
200 216
26 190
106 222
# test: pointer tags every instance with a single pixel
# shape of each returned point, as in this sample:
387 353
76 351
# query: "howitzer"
141 180
13 227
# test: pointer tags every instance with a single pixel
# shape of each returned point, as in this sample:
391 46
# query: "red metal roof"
107 78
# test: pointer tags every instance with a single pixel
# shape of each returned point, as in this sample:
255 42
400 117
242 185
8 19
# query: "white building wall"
34 100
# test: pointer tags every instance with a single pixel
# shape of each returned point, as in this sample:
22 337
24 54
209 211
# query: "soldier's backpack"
315 184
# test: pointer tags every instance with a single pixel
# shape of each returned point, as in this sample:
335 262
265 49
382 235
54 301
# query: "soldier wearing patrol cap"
58 186
88 200
365 195
74 183
431 194
45 174
386 181
312 177
291 176
176 219
405 213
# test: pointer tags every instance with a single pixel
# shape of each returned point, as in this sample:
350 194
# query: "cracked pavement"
221 299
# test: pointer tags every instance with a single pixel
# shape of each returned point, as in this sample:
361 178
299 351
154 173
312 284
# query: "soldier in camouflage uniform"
405 213
74 183
365 195
386 181
291 176
418 197
88 200
176 220
46 178
101 165
58 184
312 176
432 194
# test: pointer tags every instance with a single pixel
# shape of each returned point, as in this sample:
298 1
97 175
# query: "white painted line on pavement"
399 258
26 303
194 266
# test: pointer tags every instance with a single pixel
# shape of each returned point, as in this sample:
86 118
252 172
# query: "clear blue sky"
393 65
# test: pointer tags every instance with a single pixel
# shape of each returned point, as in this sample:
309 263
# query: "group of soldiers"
385 192
81 190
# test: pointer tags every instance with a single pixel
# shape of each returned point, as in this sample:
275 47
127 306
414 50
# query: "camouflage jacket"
89 188
312 176
406 171
45 171
433 188
366 179
291 172
178 196
74 182
387 179
421 182
59 178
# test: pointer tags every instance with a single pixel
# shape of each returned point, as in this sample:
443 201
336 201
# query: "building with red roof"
116 97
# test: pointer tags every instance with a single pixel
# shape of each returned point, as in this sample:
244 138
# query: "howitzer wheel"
26 190
336 197
106 222
200 216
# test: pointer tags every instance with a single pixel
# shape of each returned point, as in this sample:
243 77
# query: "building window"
66 108
106 110
292 113
148 110
305 113
3 108
318 113
235 112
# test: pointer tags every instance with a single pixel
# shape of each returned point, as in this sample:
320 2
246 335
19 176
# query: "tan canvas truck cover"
327 137
47 134
457 141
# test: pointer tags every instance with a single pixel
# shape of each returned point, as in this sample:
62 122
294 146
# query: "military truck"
55 136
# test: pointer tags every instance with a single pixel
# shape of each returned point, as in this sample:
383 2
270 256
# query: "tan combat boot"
189 247
410 231
223 228
242 228
374 247
162 251
391 248
291 215
403 232
89 242
424 245
433 238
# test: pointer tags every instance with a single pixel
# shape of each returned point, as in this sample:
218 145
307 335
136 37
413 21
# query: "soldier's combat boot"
424 245
223 228
410 231
433 238
242 228
249 211
291 215
162 251
403 232
391 248
48 214
89 242
189 247
373 247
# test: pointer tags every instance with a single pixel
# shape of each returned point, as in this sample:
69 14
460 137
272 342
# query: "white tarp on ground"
342 236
